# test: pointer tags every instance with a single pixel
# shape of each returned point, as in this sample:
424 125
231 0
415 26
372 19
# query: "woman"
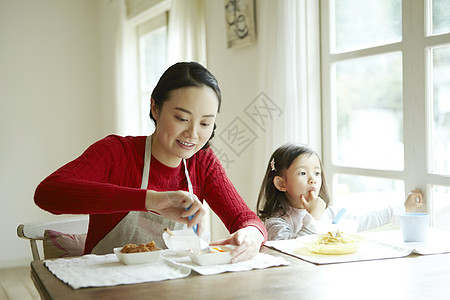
134 187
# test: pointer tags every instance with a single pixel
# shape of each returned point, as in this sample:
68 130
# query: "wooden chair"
34 231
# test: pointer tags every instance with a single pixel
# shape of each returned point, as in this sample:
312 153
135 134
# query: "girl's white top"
298 222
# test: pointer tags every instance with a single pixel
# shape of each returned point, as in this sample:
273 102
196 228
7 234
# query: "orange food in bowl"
133 248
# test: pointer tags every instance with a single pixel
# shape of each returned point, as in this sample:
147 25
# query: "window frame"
129 66
152 24
417 102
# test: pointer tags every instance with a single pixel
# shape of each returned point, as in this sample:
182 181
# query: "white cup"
414 226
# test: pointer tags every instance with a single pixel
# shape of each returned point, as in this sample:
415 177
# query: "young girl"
294 196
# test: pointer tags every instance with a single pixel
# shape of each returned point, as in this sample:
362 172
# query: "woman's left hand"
248 241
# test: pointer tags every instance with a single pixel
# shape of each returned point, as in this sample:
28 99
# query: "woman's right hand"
172 205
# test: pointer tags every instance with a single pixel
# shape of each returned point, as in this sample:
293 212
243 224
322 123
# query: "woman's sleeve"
90 184
224 200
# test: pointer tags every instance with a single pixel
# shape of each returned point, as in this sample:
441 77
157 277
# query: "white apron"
139 227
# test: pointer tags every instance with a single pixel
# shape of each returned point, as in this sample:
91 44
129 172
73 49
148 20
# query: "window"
386 102
152 49
143 60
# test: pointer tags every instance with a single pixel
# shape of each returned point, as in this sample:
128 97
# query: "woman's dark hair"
270 199
180 75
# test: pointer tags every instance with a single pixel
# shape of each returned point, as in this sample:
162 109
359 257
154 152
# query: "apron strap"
189 183
147 158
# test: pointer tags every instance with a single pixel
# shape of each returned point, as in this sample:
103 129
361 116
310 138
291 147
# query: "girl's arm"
373 219
279 229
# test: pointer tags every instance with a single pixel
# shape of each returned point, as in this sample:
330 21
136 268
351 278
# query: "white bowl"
181 241
214 257
137 258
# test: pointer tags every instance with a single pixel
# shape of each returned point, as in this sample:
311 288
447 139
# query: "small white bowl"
182 240
218 255
137 258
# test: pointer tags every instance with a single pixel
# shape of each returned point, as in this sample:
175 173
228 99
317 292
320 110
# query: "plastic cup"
414 226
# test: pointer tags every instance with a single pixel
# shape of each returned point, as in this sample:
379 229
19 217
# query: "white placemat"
376 245
438 241
261 261
106 270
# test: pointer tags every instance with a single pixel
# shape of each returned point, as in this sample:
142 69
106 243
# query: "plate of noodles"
334 243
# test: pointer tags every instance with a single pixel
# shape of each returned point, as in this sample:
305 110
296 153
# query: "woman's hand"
314 205
248 241
172 205
414 201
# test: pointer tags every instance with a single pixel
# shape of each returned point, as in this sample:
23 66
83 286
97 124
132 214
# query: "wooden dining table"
412 277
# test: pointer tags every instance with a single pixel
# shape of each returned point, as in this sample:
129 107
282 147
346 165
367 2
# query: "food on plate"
217 255
334 243
334 238
133 248
219 249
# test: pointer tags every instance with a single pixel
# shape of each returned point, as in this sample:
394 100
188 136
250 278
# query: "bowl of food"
132 254
182 241
217 255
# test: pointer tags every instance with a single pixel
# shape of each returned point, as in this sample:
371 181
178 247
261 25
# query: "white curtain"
289 69
125 72
186 32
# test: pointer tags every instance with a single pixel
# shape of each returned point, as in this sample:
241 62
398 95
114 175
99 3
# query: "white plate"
137 258
214 257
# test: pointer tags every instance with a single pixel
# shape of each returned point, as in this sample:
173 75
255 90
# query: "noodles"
337 238
334 243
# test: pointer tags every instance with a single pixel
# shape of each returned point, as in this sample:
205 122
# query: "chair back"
34 231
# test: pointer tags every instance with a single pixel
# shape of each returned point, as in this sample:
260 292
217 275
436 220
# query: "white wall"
56 66
49 104
237 73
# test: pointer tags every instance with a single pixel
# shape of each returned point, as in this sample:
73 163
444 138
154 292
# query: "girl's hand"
248 241
314 205
172 205
414 201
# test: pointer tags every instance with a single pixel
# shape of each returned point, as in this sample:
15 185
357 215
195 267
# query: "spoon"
339 216
204 245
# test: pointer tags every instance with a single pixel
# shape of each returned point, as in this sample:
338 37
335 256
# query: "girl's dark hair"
270 199
180 75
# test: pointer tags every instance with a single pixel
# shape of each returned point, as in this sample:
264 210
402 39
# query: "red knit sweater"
105 183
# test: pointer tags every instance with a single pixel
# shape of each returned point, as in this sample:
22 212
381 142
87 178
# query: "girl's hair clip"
272 164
